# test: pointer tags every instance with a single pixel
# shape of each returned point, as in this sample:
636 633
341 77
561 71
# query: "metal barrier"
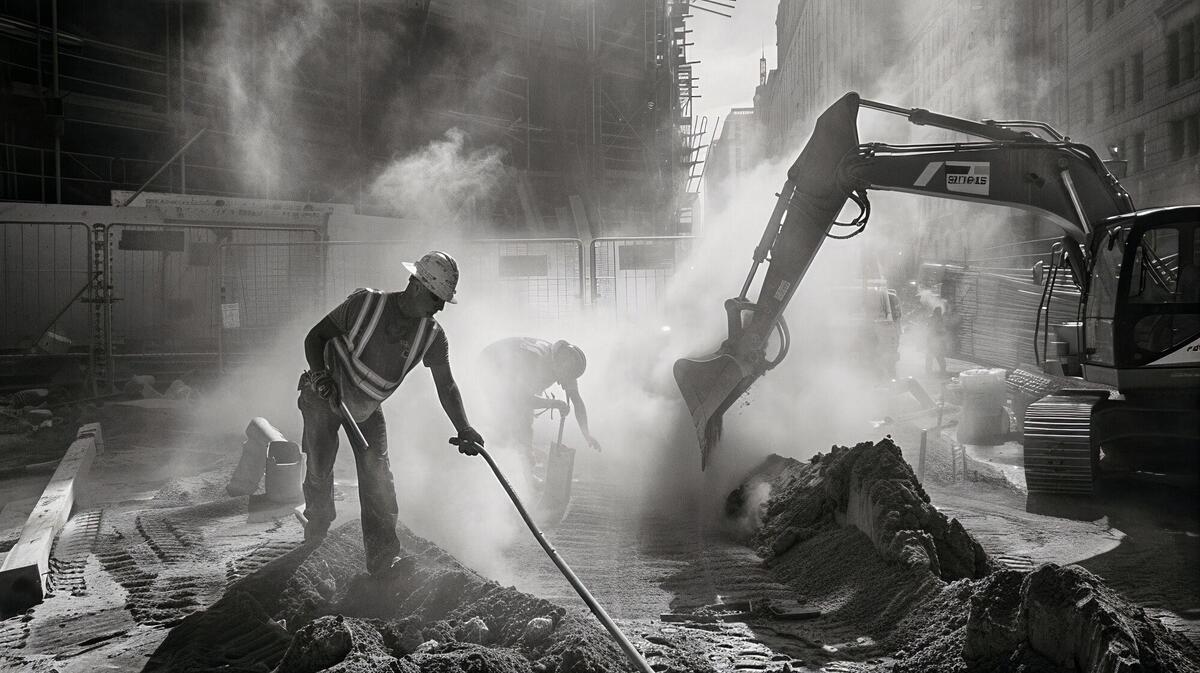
630 275
166 283
45 269
265 287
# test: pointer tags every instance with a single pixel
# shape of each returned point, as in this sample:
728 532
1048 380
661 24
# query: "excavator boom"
1064 181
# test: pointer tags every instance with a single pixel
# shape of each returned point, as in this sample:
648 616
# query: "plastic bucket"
983 417
285 472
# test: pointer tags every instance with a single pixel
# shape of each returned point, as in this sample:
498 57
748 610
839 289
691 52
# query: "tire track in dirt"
162 564
256 558
642 561
71 550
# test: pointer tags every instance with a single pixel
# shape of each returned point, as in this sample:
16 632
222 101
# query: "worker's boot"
315 531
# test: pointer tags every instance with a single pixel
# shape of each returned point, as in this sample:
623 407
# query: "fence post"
101 300
921 458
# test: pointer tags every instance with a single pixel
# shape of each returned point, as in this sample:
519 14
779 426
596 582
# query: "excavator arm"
1064 181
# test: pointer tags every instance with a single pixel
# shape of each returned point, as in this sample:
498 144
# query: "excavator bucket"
709 386
807 206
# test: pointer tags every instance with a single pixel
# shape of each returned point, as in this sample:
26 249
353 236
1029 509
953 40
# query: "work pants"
376 490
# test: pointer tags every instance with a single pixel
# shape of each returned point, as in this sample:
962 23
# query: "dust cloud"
819 396
257 80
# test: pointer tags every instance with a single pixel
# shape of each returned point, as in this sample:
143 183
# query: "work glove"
322 384
561 406
469 440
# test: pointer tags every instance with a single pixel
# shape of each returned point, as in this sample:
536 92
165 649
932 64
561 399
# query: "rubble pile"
871 488
314 609
853 532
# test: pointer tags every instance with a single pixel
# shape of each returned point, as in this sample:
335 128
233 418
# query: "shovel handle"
631 652
352 430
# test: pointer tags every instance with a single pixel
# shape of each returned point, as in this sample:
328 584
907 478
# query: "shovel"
631 652
357 440
556 488
353 432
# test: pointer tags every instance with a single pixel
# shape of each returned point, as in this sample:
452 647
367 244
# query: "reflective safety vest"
366 337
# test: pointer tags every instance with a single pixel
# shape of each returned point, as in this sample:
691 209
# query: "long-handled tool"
353 432
630 651
556 487
357 440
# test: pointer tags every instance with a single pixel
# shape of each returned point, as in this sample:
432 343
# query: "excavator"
1136 272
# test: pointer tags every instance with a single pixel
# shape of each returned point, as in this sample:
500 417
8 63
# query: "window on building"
1137 153
1182 54
1119 82
1137 73
1110 91
1088 96
1088 17
1173 58
1185 136
1108 9
1187 52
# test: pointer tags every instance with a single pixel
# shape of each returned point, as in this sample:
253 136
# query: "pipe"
635 657
163 167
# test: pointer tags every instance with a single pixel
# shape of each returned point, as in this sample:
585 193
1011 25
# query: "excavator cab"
1141 327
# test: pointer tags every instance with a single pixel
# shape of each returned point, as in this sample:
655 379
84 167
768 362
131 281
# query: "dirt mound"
853 532
314 609
871 488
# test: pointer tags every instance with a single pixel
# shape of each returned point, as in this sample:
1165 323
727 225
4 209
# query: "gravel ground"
152 555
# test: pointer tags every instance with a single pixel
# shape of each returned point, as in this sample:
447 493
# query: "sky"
728 51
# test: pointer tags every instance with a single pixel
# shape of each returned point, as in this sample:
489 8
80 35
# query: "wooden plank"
27 566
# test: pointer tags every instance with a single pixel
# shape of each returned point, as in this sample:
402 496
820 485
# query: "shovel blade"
556 489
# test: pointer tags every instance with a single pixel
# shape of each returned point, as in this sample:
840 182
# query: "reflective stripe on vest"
349 347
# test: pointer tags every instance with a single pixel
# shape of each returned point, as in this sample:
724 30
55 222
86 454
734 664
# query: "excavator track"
1058 445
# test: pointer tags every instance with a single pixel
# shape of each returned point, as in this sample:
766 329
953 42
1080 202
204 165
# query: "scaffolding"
591 103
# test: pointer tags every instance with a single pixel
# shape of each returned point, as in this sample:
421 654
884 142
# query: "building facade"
732 154
1133 82
1122 76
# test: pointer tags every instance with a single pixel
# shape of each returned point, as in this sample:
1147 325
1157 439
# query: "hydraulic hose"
635 657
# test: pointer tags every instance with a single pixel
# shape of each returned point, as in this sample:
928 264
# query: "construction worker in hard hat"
357 356
517 373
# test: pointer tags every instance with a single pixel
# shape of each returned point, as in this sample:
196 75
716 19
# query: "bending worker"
359 354
521 370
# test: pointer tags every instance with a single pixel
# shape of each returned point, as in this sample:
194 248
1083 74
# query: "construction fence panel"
45 273
166 283
265 288
540 280
630 275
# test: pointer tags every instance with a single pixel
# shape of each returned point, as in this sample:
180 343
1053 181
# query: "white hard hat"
438 272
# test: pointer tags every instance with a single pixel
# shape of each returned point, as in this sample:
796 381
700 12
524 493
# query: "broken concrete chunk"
474 630
330 641
537 630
